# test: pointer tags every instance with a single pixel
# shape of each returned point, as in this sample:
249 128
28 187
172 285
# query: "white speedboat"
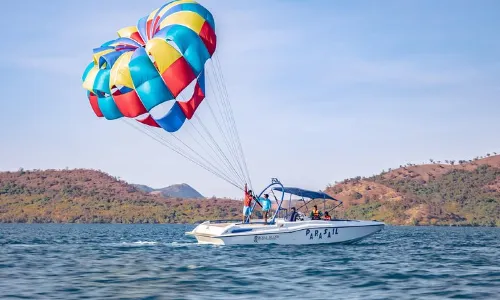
282 230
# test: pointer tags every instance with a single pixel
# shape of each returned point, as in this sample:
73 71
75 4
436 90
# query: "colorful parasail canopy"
154 73
151 64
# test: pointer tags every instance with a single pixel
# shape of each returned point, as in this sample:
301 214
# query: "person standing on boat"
247 202
315 213
266 205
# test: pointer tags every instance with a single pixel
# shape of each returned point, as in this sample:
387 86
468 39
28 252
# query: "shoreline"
197 223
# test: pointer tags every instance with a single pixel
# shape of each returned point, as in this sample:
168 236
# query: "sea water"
66 261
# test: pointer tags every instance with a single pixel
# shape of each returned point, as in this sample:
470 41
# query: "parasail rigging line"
223 158
226 116
213 168
165 143
232 153
163 140
228 167
220 74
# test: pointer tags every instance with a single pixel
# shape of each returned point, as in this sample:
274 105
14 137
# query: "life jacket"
328 217
248 199
316 214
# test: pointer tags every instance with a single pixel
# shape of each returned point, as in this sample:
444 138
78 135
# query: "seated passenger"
315 213
293 215
327 217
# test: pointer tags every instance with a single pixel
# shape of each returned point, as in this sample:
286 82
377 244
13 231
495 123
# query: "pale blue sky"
321 90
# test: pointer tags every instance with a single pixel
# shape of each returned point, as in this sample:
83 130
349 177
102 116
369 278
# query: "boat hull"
287 233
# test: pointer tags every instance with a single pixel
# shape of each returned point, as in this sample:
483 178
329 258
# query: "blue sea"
54 261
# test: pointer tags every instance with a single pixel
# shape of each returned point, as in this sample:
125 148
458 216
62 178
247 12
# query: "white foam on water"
145 243
27 245
133 244
177 244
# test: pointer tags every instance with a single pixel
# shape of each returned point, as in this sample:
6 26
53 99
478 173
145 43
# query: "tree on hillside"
431 160
357 195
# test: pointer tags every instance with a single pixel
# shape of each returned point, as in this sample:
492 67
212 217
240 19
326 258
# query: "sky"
321 90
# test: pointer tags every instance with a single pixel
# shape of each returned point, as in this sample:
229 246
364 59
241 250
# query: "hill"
467 193
144 188
177 191
89 196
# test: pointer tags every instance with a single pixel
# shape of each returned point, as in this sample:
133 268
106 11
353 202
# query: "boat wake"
134 244
184 244
153 243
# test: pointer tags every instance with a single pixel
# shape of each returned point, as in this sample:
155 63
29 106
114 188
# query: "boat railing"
282 213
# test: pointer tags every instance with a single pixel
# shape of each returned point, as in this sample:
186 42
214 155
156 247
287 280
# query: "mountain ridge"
93 196
182 190
467 193
463 194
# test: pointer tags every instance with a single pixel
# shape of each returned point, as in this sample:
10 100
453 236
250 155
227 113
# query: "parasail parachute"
163 78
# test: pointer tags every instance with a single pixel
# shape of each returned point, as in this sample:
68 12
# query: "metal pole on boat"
274 181
324 204
279 207
289 205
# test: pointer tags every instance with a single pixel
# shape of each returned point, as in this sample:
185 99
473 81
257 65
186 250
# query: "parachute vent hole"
188 91
142 117
114 90
171 43
152 58
161 110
